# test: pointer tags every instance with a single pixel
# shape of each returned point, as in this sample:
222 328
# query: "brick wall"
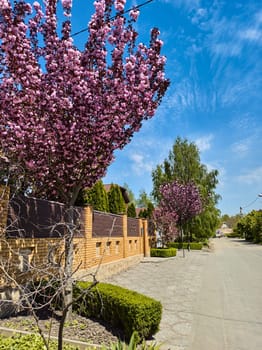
99 247
116 245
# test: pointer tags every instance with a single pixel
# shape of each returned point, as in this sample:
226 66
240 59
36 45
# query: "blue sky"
214 62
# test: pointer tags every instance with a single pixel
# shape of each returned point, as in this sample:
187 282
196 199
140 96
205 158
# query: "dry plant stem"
29 306
55 269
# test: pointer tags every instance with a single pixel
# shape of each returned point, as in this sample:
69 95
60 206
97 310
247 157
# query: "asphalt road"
228 310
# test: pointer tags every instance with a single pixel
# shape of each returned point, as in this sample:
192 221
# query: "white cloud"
140 164
199 16
258 18
251 34
188 4
254 176
204 143
242 122
227 49
241 148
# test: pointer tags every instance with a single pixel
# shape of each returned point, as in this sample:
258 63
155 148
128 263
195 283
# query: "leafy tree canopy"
144 199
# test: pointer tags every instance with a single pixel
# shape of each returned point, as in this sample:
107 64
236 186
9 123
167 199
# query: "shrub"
120 307
233 235
196 246
132 345
180 245
31 341
34 342
163 252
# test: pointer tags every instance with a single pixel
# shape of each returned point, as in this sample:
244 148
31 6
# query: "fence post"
125 240
4 199
89 249
145 240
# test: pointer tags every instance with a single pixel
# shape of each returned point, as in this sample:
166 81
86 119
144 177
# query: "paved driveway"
211 300
175 282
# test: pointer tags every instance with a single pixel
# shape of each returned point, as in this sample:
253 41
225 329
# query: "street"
228 311
211 300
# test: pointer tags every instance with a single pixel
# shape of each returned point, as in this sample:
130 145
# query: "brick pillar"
88 221
146 241
125 240
89 248
4 199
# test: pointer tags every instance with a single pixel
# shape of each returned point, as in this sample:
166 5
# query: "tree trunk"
69 255
182 240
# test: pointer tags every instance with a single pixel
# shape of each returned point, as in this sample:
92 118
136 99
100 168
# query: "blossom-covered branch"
64 111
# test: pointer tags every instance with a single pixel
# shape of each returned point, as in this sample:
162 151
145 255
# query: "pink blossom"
67 4
134 14
66 117
36 5
120 5
4 4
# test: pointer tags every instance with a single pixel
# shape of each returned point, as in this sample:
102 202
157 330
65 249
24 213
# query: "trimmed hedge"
180 245
163 252
120 307
233 235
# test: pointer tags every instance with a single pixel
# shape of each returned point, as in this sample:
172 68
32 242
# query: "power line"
248 205
133 8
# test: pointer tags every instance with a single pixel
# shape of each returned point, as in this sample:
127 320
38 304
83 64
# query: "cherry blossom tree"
179 203
64 111
165 223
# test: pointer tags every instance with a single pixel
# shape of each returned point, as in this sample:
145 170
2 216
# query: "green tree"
250 226
183 165
130 193
96 196
147 213
144 199
131 210
116 200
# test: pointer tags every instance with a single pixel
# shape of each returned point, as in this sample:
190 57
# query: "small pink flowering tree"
179 203
64 111
165 223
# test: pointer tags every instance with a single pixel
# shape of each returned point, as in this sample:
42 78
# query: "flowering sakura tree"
165 222
64 111
179 203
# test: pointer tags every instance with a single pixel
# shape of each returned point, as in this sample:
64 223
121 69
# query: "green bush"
196 246
163 252
120 307
34 342
133 345
180 245
233 235
31 341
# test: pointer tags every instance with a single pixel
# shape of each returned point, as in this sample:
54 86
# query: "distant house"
140 210
224 229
